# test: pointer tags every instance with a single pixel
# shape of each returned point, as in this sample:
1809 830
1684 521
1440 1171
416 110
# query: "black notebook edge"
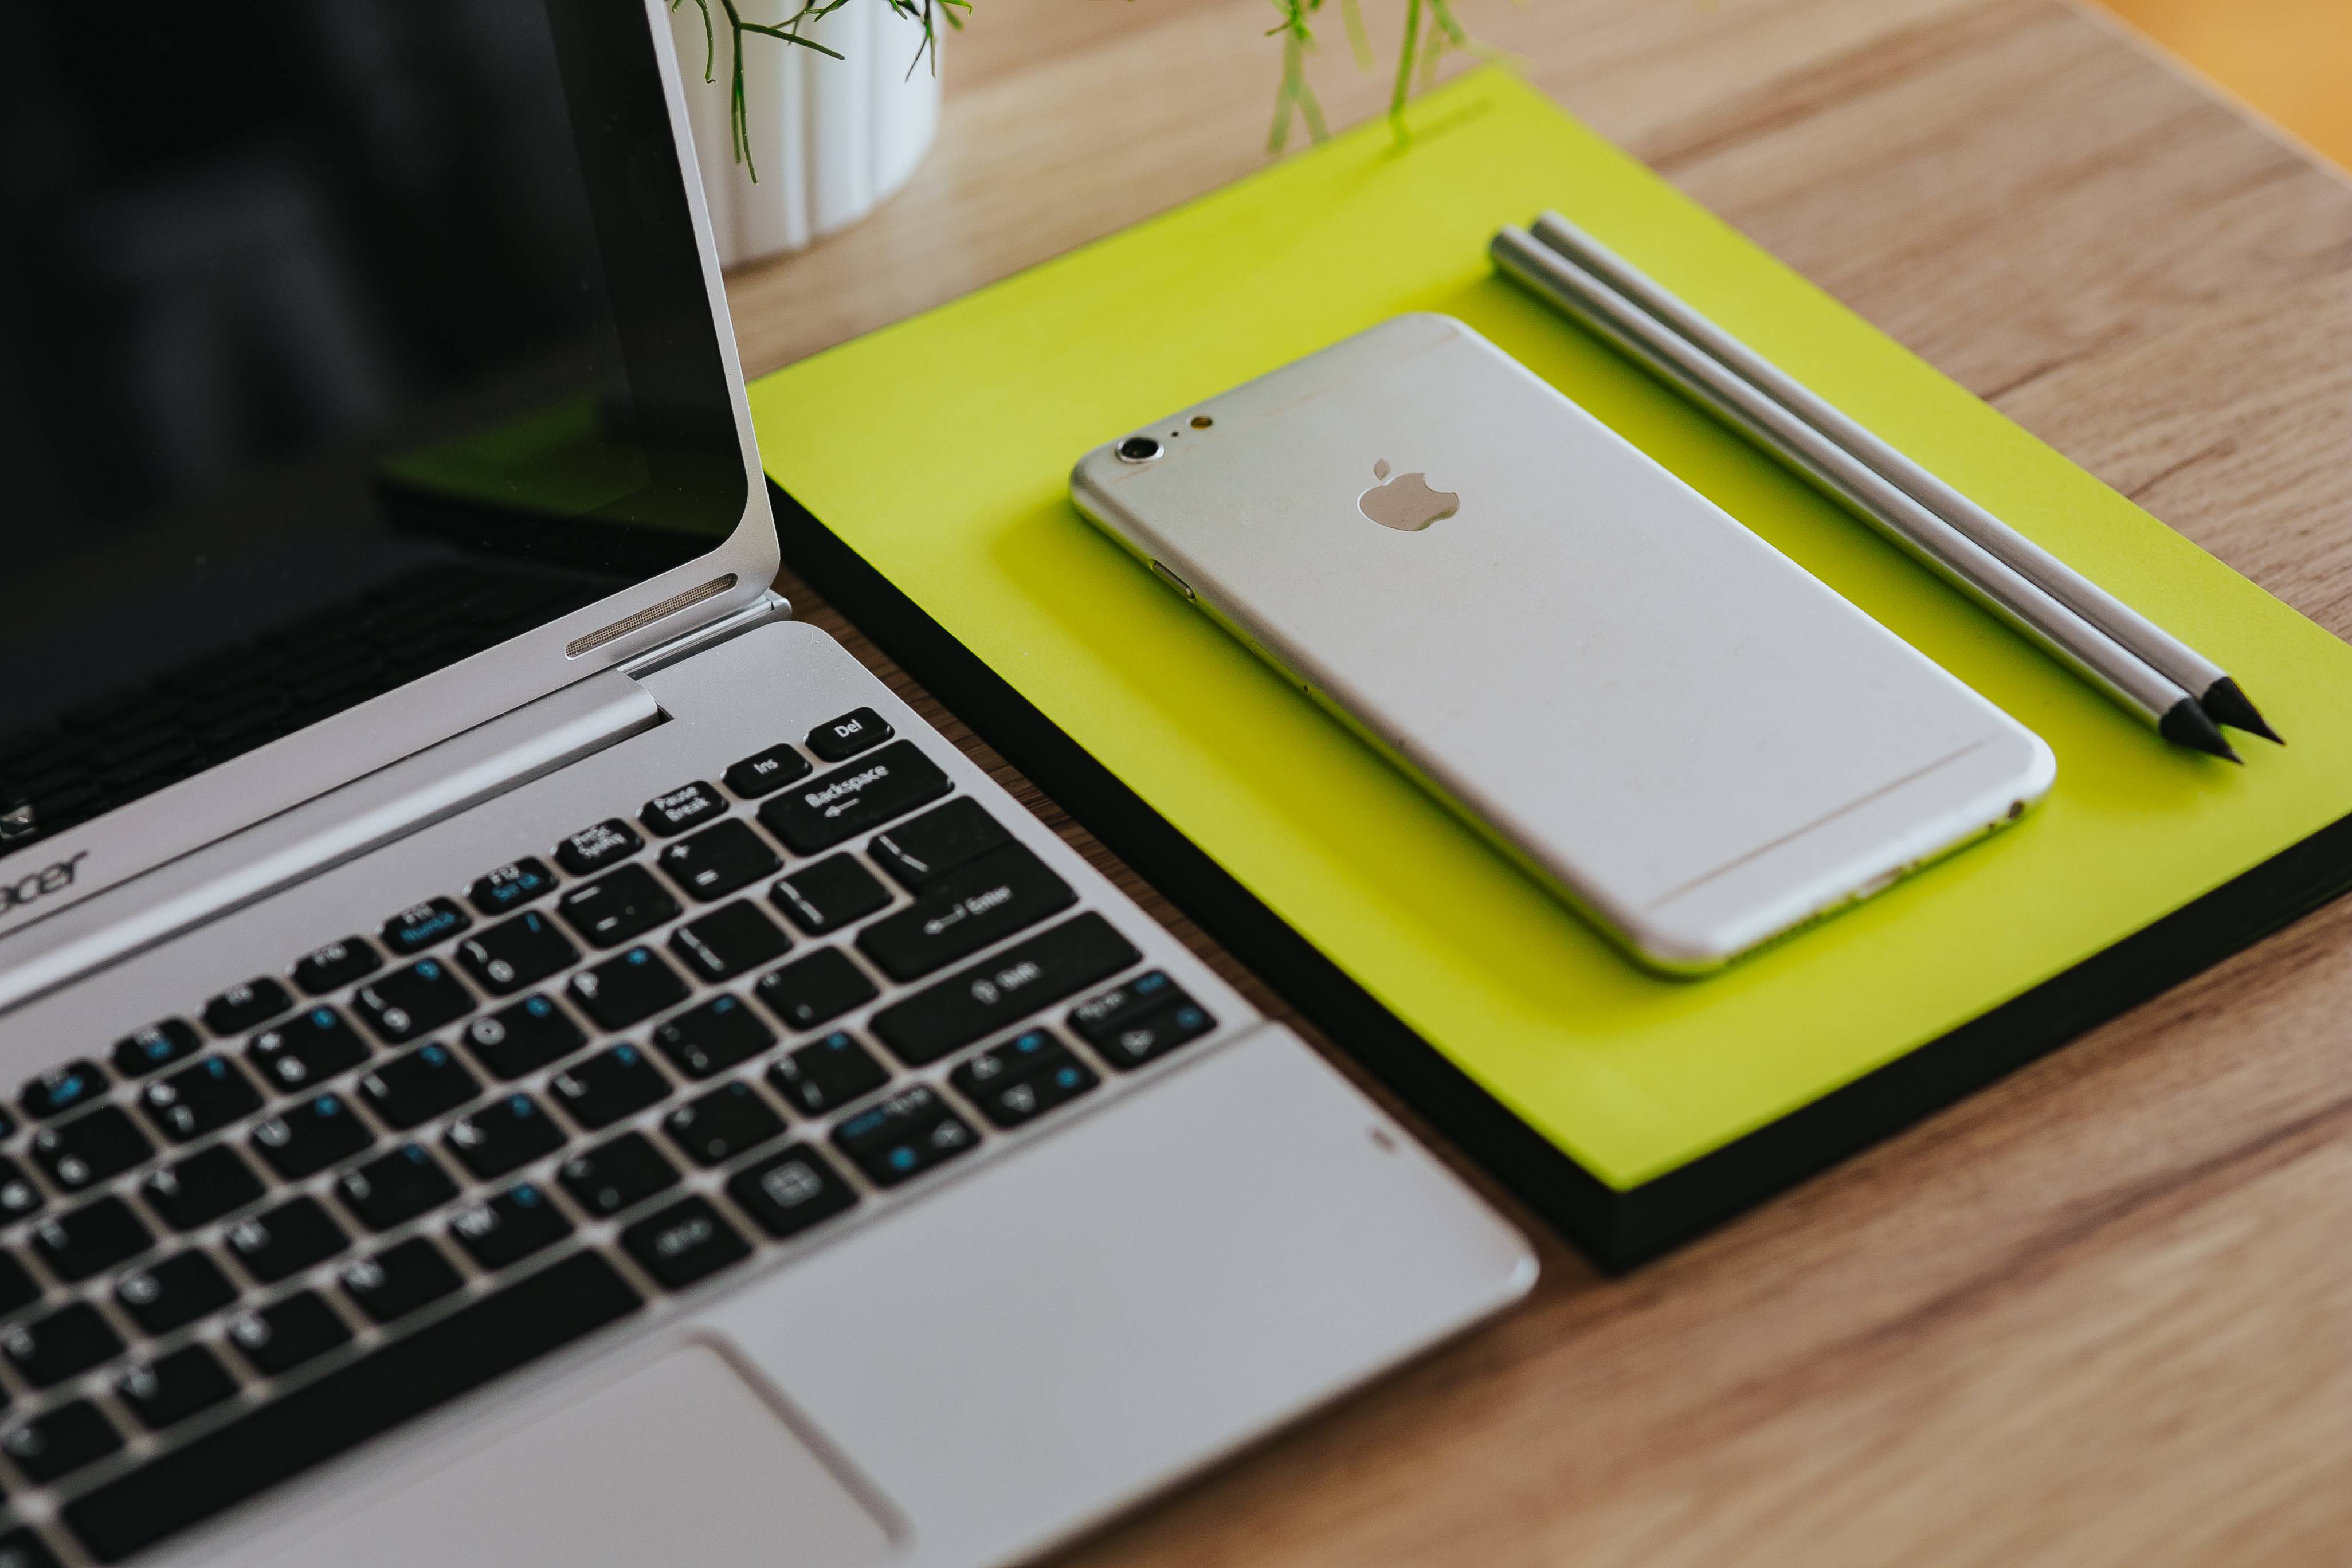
1619 1230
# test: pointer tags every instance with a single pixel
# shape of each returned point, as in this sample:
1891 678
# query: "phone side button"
1172 580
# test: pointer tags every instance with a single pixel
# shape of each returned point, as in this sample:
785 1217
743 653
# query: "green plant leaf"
1294 97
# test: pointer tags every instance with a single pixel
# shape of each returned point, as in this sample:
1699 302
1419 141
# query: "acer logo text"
35 886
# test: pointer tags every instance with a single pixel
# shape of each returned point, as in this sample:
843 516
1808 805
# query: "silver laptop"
528 1054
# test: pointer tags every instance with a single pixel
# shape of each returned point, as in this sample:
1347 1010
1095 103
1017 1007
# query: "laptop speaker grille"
648 615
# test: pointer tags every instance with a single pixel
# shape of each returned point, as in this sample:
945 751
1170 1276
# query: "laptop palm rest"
684 1460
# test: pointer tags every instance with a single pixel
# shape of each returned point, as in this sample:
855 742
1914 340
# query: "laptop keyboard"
327 1200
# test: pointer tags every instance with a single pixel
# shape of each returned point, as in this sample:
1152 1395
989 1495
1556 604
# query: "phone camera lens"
1139 449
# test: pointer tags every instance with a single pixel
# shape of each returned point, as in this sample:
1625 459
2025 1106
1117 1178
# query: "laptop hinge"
326 831
768 607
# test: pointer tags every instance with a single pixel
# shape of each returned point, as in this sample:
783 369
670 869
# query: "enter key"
972 906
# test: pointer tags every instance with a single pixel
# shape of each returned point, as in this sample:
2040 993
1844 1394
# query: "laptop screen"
339 340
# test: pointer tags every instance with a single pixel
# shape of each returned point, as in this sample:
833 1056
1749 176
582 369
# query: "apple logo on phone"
1405 503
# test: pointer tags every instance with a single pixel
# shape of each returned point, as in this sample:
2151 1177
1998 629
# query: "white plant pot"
831 139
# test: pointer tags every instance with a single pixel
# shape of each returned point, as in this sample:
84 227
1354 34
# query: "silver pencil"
1688 358
2200 677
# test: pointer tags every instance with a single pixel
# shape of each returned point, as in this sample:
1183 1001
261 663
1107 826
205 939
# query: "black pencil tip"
2225 704
2187 725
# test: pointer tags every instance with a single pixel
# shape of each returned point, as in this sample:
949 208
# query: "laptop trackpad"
682 1462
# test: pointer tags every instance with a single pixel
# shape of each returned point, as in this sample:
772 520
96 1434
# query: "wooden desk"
2100 1313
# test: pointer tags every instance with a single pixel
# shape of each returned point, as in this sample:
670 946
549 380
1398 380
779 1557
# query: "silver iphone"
1662 718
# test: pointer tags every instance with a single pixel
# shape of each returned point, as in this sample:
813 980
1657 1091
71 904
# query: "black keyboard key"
617 1175
80 1242
20 1548
399 1280
717 861
592 849
712 1037
421 926
905 1135
336 965
245 1006
393 1189
285 1240
1002 990
667 816
764 772
211 1094
918 853
64 1089
304 1051
788 1192
828 1075
515 953
412 1001
509 1227
834 807
1097 1017
727 941
65 1343
608 1086
1022 1078
815 990
510 886
839 740
156 1046
483 1340
522 1038
18 1289
975 906
284 1334
1146 1038
612 908
19 1197
168 1390
834 892
1140 1021
503 1134
174 1291
722 1124
684 1243
61 1441
629 989
201 1188
305 1138
90 1148
417 1087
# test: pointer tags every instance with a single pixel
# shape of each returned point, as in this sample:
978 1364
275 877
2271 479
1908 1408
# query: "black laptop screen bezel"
697 510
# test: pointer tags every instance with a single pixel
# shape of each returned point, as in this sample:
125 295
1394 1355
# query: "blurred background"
2290 60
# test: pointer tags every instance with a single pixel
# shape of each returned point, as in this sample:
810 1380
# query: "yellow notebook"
936 452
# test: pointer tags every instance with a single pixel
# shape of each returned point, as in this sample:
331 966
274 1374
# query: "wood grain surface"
2101 1313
